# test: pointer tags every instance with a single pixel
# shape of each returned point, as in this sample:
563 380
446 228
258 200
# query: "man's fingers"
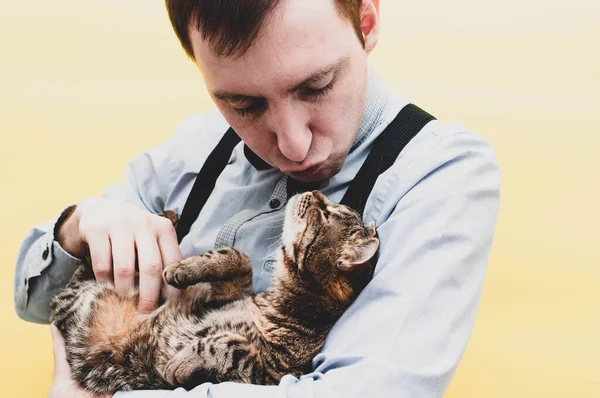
167 243
123 251
150 264
56 335
101 254
169 250
61 367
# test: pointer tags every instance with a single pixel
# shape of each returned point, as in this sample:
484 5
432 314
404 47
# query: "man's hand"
115 232
64 386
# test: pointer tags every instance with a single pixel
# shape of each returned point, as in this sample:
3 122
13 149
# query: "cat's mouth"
296 223
303 205
302 202
296 208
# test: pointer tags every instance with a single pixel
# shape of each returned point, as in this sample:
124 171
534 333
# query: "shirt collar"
376 102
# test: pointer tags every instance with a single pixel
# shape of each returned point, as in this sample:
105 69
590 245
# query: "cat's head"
326 246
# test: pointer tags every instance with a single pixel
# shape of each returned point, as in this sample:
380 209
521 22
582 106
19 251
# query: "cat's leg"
108 377
108 347
117 351
218 275
215 265
225 356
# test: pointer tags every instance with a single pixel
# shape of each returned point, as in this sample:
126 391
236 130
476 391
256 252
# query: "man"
292 78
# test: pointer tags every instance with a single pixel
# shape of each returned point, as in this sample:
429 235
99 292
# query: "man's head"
290 76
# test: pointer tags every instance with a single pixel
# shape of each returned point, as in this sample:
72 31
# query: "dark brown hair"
231 26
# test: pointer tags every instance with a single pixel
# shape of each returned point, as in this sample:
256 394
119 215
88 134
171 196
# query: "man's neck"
376 101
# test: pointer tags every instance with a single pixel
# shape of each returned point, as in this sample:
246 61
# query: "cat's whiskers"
278 241
276 223
273 237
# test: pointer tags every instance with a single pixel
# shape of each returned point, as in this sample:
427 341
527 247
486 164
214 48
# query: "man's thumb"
60 356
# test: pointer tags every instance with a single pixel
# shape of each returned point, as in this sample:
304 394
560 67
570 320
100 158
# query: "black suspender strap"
386 148
205 182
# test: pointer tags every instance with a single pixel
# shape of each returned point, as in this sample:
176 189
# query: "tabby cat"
217 330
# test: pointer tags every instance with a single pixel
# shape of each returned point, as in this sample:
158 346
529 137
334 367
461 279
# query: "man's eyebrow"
320 74
230 97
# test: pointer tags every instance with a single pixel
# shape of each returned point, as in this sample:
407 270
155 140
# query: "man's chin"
320 175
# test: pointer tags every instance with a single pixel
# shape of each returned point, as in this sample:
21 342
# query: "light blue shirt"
435 210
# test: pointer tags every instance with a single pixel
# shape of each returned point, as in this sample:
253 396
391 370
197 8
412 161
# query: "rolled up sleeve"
43 268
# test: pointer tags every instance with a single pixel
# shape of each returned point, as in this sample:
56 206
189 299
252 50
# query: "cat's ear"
372 229
360 253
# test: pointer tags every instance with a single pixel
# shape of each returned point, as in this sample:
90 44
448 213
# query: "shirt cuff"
49 257
64 265
55 260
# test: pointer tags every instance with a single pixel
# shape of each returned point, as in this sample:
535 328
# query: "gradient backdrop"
87 85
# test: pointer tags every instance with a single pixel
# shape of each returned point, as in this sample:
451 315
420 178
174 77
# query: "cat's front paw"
213 266
174 275
188 271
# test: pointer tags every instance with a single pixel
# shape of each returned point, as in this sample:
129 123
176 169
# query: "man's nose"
293 133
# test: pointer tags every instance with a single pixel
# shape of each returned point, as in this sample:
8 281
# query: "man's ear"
369 23
359 254
376 3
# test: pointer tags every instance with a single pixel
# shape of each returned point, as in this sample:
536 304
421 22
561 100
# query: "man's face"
297 96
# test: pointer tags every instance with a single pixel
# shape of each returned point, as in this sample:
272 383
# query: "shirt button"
274 203
45 253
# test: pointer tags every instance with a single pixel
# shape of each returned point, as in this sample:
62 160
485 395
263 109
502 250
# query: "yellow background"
86 85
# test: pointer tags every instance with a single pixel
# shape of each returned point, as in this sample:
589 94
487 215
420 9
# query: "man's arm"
406 332
44 267
47 259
